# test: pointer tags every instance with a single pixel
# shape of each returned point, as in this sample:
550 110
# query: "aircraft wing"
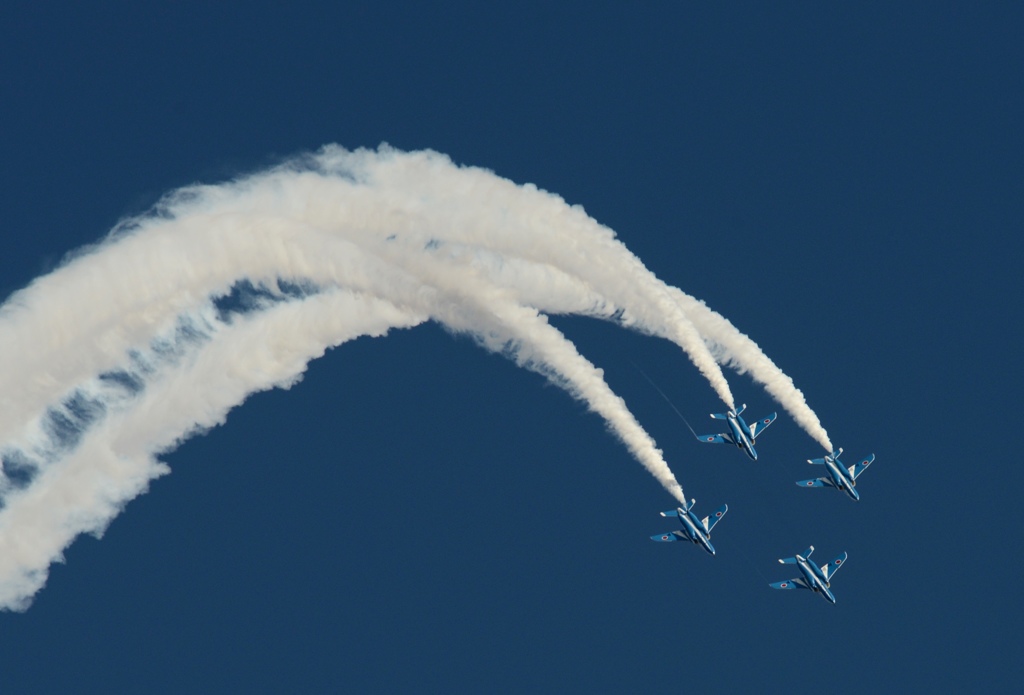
716 438
669 537
711 520
817 482
797 583
858 468
832 567
759 426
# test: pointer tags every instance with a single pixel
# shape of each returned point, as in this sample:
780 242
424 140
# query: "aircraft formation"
844 478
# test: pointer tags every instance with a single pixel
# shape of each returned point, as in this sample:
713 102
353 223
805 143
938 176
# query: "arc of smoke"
115 461
520 221
115 464
403 237
106 473
594 256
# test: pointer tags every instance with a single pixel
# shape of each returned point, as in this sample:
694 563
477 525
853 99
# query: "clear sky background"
845 184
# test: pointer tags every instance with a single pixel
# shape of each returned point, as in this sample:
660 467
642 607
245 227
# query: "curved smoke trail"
124 351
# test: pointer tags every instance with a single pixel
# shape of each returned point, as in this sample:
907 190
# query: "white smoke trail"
390 240
115 460
473 206
551 233
736 350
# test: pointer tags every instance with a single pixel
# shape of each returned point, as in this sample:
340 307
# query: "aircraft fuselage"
741 434
695 529
841 478
815 578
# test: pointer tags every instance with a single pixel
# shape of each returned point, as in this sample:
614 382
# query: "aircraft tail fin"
741 408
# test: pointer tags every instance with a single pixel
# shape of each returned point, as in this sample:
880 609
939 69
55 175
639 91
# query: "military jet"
844 478
739 434
697 531
814 578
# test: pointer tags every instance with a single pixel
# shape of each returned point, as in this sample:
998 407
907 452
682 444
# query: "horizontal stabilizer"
817 462
792 560
719 416
671 512
668 537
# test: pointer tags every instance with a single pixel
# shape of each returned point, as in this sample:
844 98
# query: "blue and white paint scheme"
839 476
696 530
739 433
817 579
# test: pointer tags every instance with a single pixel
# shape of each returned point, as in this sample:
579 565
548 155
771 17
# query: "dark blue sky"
845 184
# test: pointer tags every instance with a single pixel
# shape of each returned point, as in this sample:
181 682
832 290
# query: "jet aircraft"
739 433
815 578
844 478
697 531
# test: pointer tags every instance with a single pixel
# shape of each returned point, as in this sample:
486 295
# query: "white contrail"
122 348
473 206
547 231
82 491
736 350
